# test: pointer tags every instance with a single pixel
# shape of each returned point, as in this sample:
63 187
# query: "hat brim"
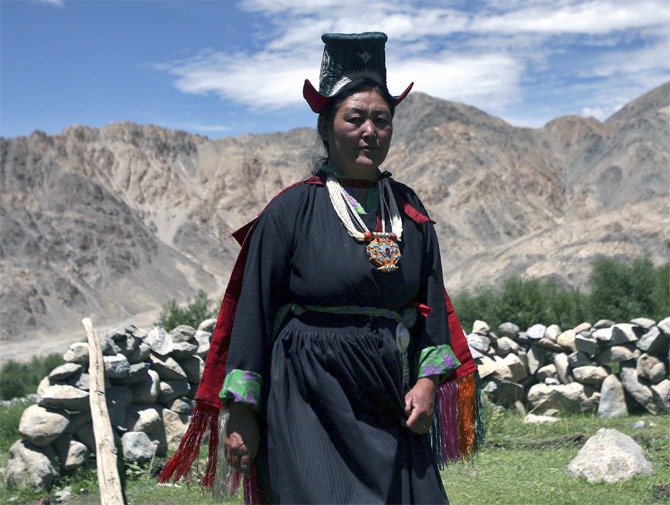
317 101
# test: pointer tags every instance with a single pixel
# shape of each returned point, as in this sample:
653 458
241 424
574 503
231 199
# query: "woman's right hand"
242 438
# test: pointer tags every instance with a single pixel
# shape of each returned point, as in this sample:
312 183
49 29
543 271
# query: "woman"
341 333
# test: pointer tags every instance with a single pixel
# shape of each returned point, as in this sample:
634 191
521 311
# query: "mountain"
114 221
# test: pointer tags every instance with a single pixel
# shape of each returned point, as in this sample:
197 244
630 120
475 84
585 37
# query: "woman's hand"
242 438
420 405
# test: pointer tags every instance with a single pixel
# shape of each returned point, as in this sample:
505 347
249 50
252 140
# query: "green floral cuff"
242 386
438 360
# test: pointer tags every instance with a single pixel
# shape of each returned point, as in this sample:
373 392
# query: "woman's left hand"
420 405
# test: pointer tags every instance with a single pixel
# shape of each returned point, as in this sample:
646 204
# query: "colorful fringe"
458 430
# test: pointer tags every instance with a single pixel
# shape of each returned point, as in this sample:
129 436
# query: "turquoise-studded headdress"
347 57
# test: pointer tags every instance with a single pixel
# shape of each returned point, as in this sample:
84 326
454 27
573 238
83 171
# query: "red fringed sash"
457 431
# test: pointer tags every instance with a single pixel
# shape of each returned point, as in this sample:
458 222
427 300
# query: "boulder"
203 338
64 397
502 370
106 345
654 341
479 342
140 354
207 325
664 326
651 368
582 327
30 466
74 456
546 371
146 391
167 367
193 367
604 335
138 372
65 371
639 391
625 333
573 397
587 345
549 344
505 393
480 327
175 427
137 446
119 398
159 341
116 367
536 332
516 367
77 353
562 368
182 350
41 426
662 392
603 323
170 390
567 340
81 381
593 375
486 367
181 406
536 357
509 330
611 456
127 345
533 419
144 418
182 333
615 354
577 359
612 398
643 322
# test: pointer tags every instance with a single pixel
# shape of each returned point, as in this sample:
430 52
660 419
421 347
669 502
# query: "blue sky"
231 67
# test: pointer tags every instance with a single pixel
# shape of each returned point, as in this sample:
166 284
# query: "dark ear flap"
323 129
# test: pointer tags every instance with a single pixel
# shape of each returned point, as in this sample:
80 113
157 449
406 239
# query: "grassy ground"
521 464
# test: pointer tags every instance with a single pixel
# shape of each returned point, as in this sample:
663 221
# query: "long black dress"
332 393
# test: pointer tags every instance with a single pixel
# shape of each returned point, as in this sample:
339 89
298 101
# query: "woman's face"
360 135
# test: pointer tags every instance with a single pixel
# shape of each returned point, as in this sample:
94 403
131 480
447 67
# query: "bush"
618 291
20 379
195 312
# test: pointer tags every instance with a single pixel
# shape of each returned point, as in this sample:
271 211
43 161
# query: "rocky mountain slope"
114 221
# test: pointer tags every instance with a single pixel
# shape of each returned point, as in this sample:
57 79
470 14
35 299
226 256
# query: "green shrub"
195 312
618 290
9 425
20 379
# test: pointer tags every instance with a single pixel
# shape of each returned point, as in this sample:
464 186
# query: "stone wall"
546 369
150 381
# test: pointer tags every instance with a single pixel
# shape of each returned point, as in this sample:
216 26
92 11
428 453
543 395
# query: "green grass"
526 464
522 464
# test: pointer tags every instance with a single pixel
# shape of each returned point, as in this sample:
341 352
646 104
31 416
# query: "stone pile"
546 368
150 381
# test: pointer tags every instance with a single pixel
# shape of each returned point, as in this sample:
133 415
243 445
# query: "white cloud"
55 3
492 58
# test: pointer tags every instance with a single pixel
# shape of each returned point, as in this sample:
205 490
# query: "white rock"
170 390
159 341
116 367
64 397
175 427
612 398
615 354
552 332
536 332
594 375
137 446
639 391
662 392
624 333
582 327
64 371
77 455
167 367
207 326
193 367
536 358
77 353
546 371
610 456
508 329
603 334
146 391
533 419
567 340
41 426
30 466
562 368
652 368
480 327
144 418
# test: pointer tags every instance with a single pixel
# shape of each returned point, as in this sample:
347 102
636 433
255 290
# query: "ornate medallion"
383 251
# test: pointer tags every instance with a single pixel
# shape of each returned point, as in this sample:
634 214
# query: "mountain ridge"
117 220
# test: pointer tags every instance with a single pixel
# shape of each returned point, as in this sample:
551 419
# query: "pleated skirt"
335 407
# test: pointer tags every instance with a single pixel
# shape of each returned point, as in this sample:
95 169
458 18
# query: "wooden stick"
111 492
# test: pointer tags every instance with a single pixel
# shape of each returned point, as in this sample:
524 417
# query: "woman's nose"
368 128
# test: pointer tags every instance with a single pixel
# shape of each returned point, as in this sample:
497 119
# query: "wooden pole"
111 492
